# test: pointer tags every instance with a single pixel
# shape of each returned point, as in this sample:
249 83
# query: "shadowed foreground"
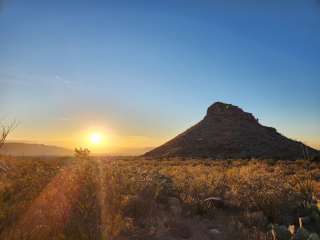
163 199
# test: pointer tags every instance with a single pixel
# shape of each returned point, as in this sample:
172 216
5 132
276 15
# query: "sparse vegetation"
5 130
154 199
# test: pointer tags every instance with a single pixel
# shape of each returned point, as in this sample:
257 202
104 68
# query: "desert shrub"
20 187
305 188
194 183
84 219
81 153
112 187
129 197
256 188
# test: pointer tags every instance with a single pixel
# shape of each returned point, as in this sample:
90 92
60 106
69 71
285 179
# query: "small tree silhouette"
5 130
82 153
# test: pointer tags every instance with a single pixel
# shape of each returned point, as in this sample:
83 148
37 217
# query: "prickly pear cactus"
302 234
280 232
314 236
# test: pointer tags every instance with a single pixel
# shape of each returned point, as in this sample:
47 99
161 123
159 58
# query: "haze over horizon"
139 73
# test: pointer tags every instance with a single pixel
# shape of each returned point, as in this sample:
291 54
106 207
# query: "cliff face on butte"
228 132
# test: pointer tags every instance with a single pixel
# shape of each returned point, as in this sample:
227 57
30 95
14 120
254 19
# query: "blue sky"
149 69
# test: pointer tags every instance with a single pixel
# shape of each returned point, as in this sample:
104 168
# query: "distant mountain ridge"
229 132
28 149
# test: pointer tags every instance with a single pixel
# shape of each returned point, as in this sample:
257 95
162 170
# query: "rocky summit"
229 132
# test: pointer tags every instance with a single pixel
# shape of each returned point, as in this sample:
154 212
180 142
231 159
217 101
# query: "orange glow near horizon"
105 139
100 140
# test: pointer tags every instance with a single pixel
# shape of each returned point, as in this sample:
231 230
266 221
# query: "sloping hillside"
26 149
228 132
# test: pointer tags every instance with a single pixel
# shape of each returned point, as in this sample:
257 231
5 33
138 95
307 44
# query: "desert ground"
166 199
159 120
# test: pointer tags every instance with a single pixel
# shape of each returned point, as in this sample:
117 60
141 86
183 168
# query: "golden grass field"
135 198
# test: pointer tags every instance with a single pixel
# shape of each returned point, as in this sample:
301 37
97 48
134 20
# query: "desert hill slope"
228 132
26 149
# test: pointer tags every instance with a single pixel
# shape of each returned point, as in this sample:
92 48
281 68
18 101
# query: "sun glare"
96 138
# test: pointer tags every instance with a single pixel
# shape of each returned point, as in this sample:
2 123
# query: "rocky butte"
228 132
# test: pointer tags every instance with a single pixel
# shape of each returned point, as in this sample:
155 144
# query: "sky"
140 72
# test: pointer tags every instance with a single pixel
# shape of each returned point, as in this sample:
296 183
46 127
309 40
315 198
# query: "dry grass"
132 198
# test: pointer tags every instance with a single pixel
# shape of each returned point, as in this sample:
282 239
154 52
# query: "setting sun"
159 120
96 138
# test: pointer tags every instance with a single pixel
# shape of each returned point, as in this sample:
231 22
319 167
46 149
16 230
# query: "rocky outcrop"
228 132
